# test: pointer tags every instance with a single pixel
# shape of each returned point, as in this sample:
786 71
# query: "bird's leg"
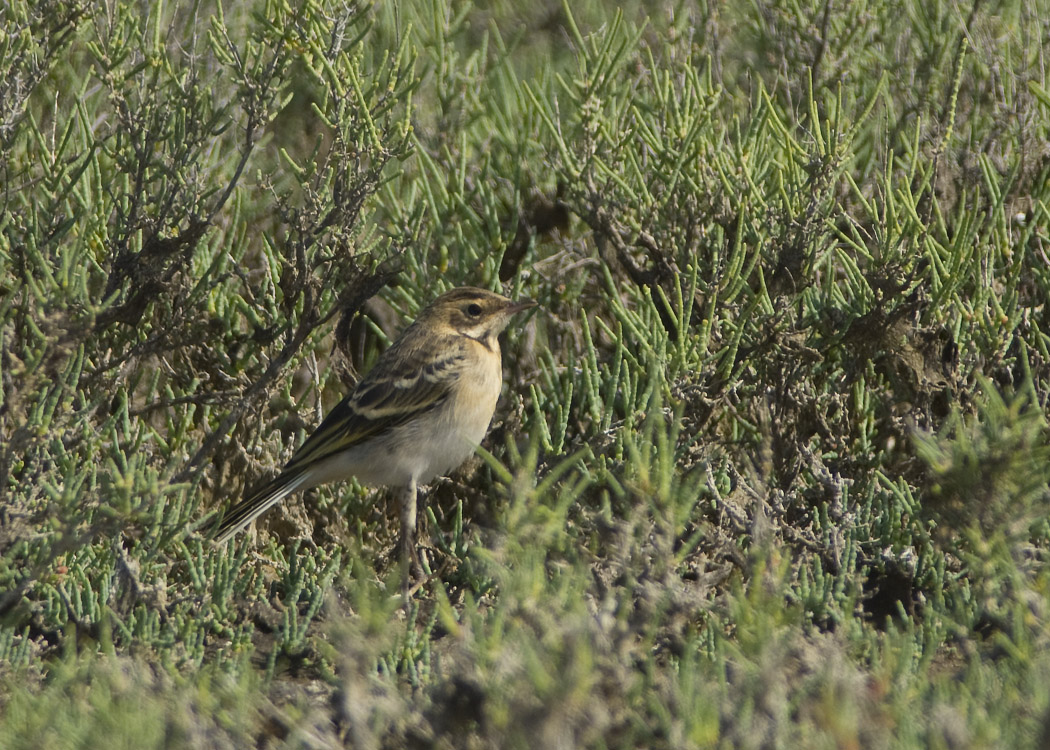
409 556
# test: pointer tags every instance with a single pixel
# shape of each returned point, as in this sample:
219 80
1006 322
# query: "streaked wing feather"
405 382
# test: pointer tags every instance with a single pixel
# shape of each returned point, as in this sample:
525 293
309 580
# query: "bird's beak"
517 307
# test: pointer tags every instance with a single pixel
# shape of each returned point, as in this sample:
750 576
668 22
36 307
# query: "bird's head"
470 311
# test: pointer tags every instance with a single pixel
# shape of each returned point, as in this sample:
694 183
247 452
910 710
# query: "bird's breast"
442 438
474 399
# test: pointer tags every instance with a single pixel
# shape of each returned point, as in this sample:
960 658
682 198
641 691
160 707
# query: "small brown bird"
418 414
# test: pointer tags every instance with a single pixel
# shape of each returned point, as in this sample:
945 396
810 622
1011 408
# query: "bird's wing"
407 381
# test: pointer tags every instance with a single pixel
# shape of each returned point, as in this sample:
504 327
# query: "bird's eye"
473 309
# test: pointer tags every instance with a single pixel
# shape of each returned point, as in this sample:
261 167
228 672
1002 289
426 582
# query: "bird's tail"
253 506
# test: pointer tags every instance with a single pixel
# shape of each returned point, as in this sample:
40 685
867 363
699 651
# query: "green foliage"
771 467
120 702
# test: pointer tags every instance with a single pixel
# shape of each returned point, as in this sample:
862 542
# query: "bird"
418 414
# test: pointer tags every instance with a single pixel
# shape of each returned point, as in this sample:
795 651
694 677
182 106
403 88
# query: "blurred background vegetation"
771 467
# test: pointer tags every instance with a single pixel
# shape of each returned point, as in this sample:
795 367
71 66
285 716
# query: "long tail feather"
253 506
